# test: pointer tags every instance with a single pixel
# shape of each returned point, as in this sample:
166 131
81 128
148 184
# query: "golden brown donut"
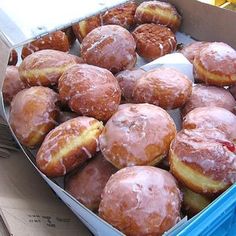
141 200
122 15
211 117
12 84
204 160
88 182
154 41
33 114
13 58
232 90
137 134
159 13
126 80
90 91
216 65
57 41
164 87
68 145
111 47
205 96
45 67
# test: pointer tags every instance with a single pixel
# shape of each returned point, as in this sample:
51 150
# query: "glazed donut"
82 28
159 13
90 91
111 47
205 96
211 117
164 87
216 65
203 160
45 67
141 200
154 41
88 182
126 80
68 145
11 84
137 134
57 41
13 58
122 15
232 90
33 114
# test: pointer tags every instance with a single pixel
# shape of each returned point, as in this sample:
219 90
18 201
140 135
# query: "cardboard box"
199 21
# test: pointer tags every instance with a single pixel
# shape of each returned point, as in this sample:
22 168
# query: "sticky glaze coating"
68 145
12 84
164 87
216 65
154 41
141 200
127 80
204 160
88 182
211 117
232 90
33 114
57 40
137 134
82 28
205 96
45 67
111 47
159 13
122 15
90 90
13 58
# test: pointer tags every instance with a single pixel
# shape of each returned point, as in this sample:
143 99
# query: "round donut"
154 41
88 182
111 47
33 114
159 13
90 91
13 58
232 90
205 96
122 15
82 28
211 117
45 67
127 80
137 134
11 84
57 41
203 160
216 64
68 145
164 87
141 200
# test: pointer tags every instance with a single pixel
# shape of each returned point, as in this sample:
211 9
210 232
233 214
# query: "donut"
159 13
141 200
11 84
88 182
154 41
164 87
211 117
45 67
203 160
57 40
33 114
216 64
68 145
111 47
122 15
232 90
204 96
137 134
90 91
13 58
126 80
82 28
